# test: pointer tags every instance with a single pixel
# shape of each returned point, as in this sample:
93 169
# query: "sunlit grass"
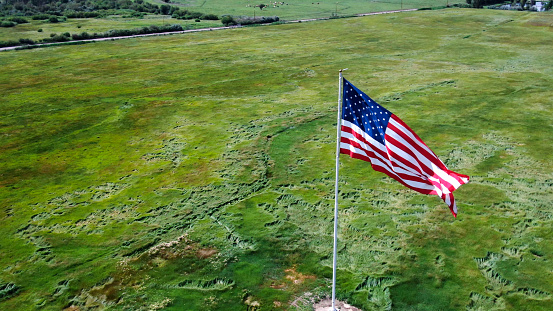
197 170
94 25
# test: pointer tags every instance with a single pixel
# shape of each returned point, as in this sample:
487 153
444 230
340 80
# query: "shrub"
212 17
246 20
59 38
53 19
228 20
4 44
19 20
73 14
7 24
165 9
82 36
26 41
39 30
138 14
40 17
193 15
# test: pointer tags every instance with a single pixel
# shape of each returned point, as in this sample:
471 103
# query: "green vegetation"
55 12
95 25
63 16
197 170
301 9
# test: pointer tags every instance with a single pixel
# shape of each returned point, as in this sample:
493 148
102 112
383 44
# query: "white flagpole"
338 136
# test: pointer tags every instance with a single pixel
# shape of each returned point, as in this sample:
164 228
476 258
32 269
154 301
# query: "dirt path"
189 31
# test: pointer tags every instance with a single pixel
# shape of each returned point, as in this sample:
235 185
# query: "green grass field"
295 9
94 25
300 9
196 171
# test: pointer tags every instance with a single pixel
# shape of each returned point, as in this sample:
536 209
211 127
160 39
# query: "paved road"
194 30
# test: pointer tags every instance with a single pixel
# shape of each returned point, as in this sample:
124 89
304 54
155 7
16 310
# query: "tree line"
90 8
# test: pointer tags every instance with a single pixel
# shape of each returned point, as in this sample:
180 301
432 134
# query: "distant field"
292 10
195 172
92 25
300 9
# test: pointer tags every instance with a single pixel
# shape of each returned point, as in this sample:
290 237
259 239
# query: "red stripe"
362 139
387 169
368 152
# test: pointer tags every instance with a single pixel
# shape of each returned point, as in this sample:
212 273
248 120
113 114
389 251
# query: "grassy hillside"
197 170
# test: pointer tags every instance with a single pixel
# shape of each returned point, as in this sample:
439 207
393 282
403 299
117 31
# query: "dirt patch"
326 305
206 253
297 277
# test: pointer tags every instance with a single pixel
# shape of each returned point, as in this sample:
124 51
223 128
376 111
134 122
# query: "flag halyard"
371 133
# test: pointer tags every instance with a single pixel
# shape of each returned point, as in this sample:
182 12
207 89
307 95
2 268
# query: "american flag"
371 133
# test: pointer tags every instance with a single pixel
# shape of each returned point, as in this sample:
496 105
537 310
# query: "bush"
19 20
165 9
193 15
138 14
4 44
82 36
7 24
53 19
228 20
211 17
139 31
40 17
73 14
59 38
39 30
246 20
26 41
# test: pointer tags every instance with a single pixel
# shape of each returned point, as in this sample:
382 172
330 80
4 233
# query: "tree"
165 9
227 20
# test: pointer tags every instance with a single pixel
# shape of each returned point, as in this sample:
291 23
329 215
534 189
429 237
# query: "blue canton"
361 110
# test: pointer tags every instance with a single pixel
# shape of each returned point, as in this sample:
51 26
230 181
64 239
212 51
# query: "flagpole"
338 136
